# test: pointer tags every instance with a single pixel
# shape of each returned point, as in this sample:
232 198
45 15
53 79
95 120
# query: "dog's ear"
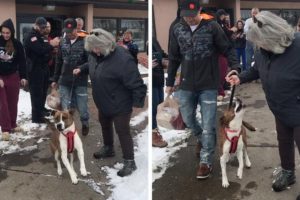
71 111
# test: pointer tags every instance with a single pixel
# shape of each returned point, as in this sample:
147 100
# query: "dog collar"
228 130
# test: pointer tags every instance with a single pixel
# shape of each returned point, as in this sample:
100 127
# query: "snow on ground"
135 186
24 121
160 156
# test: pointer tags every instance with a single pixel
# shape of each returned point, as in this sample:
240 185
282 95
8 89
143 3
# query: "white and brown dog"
233 139
63 142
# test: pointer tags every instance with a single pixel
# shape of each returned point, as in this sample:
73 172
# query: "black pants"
122 128
38 86
286 137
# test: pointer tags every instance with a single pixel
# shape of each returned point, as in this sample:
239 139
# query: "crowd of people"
64 64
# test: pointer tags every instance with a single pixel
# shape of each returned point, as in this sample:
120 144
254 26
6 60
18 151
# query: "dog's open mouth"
239 105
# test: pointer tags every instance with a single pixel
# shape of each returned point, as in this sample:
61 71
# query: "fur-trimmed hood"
102 39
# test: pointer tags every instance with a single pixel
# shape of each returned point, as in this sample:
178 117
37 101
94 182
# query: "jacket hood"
10 25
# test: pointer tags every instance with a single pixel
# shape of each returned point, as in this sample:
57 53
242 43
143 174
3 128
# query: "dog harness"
233 141
70 140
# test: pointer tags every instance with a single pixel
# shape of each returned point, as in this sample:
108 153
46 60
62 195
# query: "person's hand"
76 71
165 62
136 110
23 82
234 29
55 42
154 63
143 60
1 83
54 85
169 90
233 79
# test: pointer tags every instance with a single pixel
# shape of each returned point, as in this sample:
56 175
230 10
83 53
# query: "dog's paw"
225 183
83 172
240 174
59 171
248 164
74 180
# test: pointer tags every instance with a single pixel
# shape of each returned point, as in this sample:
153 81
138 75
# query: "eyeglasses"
259 23
95 33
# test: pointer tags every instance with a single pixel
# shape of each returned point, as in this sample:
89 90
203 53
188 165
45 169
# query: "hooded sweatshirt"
12 62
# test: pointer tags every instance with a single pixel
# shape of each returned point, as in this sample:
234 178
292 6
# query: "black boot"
283 180
128 168
85 130
298 197
105 152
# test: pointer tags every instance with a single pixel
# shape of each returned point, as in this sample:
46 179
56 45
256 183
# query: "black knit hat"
189 8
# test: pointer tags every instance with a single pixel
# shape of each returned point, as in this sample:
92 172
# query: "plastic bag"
53 99
168 114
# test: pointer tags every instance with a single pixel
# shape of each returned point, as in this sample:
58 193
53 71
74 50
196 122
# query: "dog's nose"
59 126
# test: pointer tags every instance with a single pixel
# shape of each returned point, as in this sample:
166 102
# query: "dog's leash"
231 95
71 92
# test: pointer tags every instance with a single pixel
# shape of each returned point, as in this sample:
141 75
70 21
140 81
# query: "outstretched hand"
232 78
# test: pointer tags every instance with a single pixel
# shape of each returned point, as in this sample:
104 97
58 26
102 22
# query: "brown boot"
157 140
198 149
204 171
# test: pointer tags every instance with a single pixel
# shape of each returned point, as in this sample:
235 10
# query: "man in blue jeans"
249 45
195 43
72 88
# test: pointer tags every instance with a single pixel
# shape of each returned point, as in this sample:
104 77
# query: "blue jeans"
206 131
157 98
249 53
242 52
79 99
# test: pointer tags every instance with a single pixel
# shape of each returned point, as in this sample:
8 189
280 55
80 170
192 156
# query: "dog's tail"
249 126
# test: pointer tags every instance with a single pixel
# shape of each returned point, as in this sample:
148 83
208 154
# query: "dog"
233 139
64 140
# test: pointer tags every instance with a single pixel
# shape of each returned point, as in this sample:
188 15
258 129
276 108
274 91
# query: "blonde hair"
101 39
270 32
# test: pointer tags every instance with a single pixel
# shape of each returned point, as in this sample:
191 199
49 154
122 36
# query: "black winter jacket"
158 74
69 57
280 78
38 51
116 82
11 63
198 53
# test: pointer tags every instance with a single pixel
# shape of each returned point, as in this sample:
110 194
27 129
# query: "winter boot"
105 152
128 168
85 130
157 140
283 179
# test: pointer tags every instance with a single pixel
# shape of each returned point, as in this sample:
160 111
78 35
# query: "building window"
118 26
138 30
109 25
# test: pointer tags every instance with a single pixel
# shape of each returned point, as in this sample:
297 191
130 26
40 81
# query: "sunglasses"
259 23
95 33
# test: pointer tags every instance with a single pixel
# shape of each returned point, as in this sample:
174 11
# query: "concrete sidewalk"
180 183
33 175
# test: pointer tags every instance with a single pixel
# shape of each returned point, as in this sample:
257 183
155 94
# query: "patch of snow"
133 187
139 118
